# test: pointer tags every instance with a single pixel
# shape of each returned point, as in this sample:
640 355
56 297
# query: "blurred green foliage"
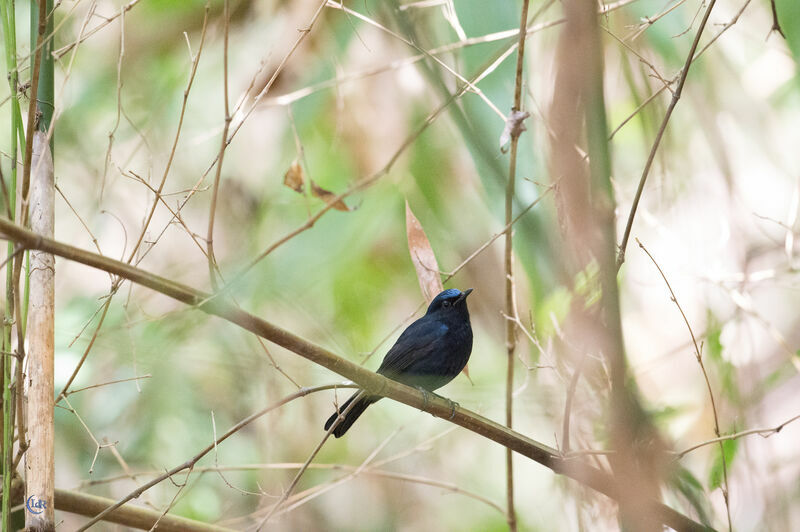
348 282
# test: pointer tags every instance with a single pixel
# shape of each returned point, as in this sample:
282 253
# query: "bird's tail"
357 409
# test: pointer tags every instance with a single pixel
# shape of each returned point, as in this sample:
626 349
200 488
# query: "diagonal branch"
365 379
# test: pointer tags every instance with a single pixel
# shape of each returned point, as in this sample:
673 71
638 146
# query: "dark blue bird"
431 352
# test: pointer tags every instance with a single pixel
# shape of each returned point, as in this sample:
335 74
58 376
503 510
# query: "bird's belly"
435 371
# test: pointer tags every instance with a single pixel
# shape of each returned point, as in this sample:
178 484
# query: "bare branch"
365 379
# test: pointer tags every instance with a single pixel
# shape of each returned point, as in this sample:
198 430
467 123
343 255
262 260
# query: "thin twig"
311 493
119 100
725 27
78 216
573 385
244 115
304 32
11 257
99 385
470 85
308 461
168 166
106 305
192 461
649 21
58 54
764 433
497 235
776 25
223 144
290 97
176 215
515 130
675 97
97 444
699 356
32 118
358 185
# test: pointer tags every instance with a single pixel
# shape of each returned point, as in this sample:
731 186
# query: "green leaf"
713 345
712 351
729 448
789 19
555 304
691 488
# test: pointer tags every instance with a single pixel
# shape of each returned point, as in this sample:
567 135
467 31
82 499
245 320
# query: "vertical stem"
223 144
45 100
32 112
10 41
635 464
511 340
511 311
676 95
39 462
38 180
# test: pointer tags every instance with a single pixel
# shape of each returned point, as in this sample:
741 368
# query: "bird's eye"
446 303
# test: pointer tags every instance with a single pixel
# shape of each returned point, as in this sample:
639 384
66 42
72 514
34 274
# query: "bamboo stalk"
39 459
10 41
37 312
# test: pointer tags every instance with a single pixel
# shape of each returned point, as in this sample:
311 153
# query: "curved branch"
372 382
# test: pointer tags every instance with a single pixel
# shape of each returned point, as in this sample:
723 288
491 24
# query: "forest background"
314 162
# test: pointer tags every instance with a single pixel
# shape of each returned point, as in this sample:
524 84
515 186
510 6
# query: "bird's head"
450 301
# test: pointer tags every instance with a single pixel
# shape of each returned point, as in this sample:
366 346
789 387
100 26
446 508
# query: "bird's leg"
453 406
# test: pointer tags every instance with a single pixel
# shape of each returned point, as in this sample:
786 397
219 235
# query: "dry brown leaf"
327 196
430 282
423 258
294 177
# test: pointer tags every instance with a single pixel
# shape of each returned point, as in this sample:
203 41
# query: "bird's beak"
464 294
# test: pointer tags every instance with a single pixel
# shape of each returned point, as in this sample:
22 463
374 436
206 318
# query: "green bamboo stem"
45 103
10 41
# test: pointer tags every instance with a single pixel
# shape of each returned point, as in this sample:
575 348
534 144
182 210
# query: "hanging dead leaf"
294 177
465 371
423 257
430 282
327 196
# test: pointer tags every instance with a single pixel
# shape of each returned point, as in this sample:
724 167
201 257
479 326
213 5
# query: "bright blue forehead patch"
449 293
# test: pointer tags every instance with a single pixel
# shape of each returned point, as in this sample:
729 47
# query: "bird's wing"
417 341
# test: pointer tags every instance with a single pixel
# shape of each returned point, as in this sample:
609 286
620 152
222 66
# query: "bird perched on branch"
431 352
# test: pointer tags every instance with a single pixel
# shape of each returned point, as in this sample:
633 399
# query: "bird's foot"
425 393
453 406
